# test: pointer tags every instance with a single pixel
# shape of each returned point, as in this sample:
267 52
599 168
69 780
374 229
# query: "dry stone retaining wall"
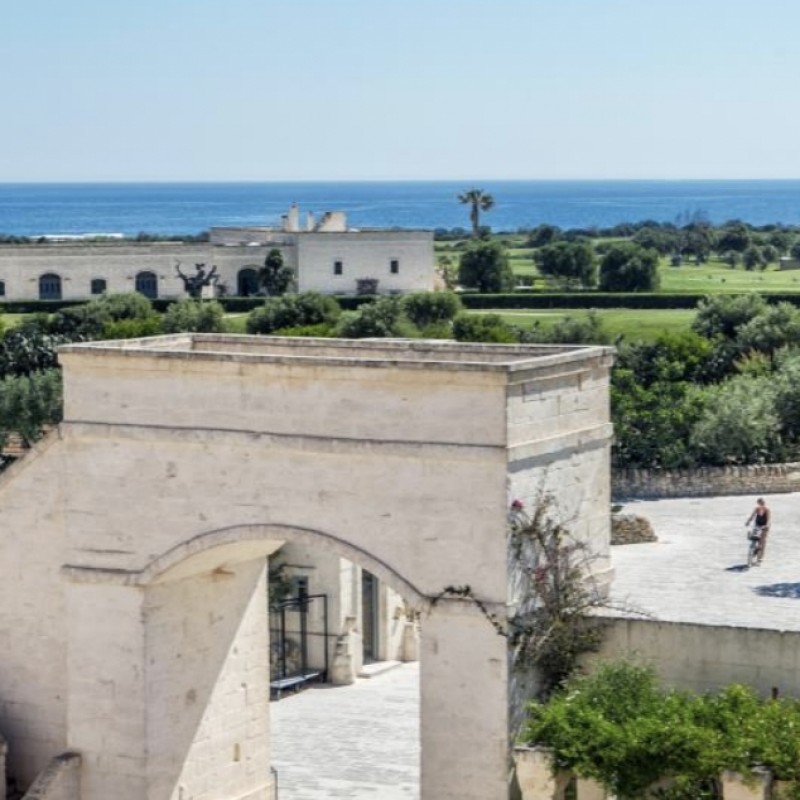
705 481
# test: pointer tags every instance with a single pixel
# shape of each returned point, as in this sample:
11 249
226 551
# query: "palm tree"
480 201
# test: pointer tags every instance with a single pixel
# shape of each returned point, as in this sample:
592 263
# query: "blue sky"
399 89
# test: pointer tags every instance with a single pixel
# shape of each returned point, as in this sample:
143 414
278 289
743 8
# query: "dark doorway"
369 616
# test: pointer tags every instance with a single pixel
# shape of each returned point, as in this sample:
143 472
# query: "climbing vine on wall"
552 623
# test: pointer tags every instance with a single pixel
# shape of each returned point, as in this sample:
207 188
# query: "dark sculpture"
194 283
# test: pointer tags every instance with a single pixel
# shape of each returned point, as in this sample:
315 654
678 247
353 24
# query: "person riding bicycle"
761 517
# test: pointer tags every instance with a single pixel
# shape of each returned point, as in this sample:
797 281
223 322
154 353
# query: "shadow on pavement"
737 568
779 590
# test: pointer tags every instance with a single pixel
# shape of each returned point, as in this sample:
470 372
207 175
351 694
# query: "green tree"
775 327
275 276
571 262
734 235
722 315
626 267
483 328
485 267
380 318
752 257
478 201
293 311
431 308
739 423
189 315
28 403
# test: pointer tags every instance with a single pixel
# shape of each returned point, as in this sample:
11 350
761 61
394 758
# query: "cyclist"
761 517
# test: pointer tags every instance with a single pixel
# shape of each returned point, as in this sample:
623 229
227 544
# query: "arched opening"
209 643
247 282
98 285
50 286
147 284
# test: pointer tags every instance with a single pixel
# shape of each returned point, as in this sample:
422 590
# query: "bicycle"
754 535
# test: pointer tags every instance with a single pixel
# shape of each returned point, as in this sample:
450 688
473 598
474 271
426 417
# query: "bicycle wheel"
752 552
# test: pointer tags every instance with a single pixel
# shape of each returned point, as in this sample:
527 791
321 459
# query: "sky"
194 90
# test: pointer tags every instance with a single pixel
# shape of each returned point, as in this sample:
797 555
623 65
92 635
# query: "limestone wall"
79 263
705 482
61 780
311 255
367 254
708 657
33 703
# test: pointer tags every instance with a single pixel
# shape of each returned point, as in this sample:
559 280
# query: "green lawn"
716 277
630 323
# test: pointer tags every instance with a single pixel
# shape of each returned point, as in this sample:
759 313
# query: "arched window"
147 284
247 282
98 285
50 287
2 288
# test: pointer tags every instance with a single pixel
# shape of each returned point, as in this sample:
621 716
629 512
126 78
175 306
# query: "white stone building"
325 255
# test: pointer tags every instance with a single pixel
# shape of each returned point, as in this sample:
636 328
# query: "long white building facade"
326 256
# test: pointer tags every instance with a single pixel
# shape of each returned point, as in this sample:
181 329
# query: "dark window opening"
2 288
338 267
50 287
147 284
394 266
98 285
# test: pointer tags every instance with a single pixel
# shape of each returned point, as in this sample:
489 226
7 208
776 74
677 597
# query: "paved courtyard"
697 570
359 742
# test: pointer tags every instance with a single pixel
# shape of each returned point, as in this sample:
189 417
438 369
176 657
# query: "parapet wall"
705 482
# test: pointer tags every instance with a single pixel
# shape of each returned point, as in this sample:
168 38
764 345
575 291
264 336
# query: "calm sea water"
172 208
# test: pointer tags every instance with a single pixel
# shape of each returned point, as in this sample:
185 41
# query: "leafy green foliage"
739 423
573 263
381 318
485 267
569 330
28 348
89 321
132 328
275 276
28 403
291 311
483 328
723 315
620 728
427 308
188 315
626 267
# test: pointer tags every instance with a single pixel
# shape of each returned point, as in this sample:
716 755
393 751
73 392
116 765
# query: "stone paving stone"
359 742
697 570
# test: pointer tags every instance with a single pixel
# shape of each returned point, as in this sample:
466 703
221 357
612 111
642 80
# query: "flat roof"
414 353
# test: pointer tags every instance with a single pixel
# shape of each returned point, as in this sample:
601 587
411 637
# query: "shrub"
190 315
382 318
28 403
291 311
483 328
132 328
426 308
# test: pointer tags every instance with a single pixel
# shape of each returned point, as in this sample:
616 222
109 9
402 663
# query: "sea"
36 209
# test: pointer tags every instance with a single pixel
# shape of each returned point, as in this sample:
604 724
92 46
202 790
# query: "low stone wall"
60 780
704 482
703 658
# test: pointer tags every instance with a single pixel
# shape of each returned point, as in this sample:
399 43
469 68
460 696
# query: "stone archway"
183 460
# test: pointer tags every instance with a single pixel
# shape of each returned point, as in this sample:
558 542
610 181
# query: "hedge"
599 300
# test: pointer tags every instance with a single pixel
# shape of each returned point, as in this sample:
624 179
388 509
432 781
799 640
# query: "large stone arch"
236 543
138 615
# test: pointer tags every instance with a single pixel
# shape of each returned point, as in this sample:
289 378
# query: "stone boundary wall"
704 658
60 780
629 484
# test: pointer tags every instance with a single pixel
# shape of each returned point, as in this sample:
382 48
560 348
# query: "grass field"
714 277
632 324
